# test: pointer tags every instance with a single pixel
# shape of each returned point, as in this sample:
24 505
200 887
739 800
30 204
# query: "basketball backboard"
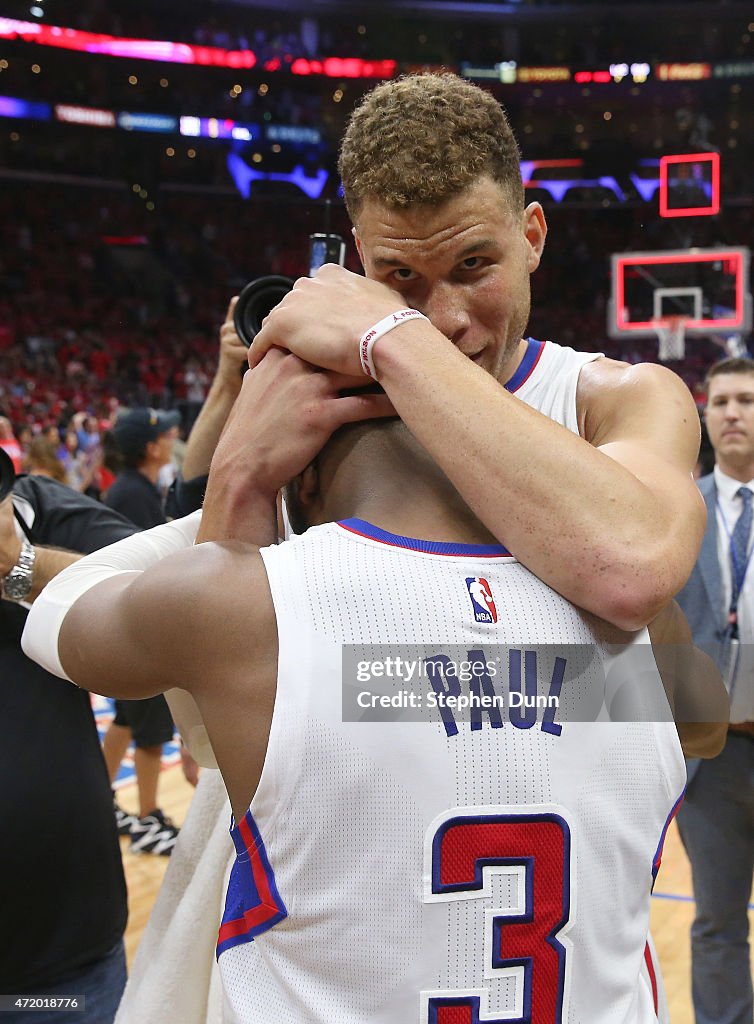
709 288
690 185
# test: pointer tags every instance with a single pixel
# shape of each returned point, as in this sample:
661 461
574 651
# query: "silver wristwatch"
17 584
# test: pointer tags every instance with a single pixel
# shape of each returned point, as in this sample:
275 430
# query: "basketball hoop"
672 333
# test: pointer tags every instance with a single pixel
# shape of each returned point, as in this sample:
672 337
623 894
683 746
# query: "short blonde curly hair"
423 139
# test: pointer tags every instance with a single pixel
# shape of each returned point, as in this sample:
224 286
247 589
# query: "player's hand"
323 317
233 352
10 545
285 413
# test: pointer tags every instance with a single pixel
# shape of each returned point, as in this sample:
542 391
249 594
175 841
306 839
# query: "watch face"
17 583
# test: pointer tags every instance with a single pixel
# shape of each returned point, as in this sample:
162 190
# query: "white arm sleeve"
133 554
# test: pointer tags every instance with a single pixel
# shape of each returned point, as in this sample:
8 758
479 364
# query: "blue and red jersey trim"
657 859
253 903
431 547
652 978
526 367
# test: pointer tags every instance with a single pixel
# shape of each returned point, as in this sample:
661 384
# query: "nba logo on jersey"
482 601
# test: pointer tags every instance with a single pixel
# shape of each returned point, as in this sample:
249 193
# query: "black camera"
7 474
255 302
262 294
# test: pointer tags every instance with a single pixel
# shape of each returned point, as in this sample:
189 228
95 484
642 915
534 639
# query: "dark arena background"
156 156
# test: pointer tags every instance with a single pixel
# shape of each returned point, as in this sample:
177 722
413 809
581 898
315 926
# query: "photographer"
187 491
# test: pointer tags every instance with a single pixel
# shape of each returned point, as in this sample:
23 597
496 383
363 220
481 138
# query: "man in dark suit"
717 819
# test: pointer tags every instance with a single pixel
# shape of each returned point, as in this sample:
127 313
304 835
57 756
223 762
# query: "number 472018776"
32 1002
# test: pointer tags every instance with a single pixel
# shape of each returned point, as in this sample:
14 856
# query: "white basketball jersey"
547 378
435 866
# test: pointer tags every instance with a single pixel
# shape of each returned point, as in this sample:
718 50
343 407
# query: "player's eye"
472 263
405 274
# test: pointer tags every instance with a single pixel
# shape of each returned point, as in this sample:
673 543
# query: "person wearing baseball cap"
140 443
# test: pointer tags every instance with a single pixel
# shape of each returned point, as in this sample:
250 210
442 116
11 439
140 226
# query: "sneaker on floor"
124 820
154 833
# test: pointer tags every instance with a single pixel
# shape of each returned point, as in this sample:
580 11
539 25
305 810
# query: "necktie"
739 547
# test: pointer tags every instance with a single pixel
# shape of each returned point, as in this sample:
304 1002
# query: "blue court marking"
104 712
680 899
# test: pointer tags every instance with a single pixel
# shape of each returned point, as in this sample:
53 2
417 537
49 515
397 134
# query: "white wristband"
373 335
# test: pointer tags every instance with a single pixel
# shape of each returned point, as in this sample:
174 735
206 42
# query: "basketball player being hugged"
392 870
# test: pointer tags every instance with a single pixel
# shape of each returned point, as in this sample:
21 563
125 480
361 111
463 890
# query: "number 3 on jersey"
464 849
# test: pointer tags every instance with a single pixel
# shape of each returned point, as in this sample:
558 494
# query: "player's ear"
535 232
357 242
308 484
300 499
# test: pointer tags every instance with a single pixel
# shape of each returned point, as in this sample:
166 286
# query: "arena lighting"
115 46
600 77
219 128
558 187
734 69
147 122
646 187
344 67
91 116
243 176
125 240
683 72
11 107
543 74
185 53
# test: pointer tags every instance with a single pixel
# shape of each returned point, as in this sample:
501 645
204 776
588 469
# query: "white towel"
174 975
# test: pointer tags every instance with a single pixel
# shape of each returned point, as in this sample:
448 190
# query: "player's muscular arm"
137 633
614 524
693 684
201 619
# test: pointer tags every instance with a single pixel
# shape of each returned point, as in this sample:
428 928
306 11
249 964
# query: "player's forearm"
47 564
207 429
578 519
235 509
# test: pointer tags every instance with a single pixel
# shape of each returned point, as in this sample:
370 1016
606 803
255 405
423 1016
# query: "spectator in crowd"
81 467
143 441
88 433
9 443
716 820
42 460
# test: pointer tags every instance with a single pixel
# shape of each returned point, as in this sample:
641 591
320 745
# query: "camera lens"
255 302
